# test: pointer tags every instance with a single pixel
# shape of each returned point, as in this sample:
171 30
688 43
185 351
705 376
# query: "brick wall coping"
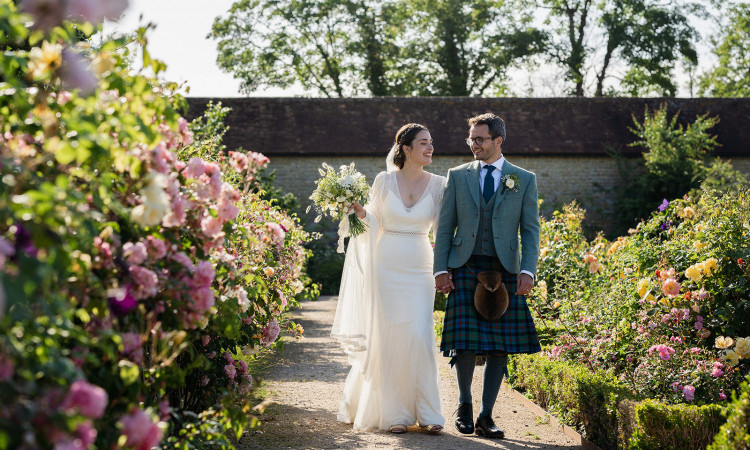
535 126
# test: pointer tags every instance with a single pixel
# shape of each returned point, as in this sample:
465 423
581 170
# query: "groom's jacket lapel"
472 178
508 168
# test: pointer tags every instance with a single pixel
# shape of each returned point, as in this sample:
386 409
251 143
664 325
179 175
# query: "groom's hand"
444 283
525 283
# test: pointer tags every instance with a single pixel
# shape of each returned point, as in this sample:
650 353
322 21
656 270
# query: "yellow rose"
693 273
557 305
687 212
650 298
544 252
698 245
711 265
724 342
742 347
269 271
643 287
45 59
731 357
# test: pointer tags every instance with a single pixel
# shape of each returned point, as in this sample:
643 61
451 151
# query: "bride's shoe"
433 429
397 429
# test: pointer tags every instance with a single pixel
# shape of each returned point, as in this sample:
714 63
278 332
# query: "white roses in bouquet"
335 193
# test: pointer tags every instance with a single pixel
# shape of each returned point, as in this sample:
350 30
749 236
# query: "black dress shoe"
465 419
486 427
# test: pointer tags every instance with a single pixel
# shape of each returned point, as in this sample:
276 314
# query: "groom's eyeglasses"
479 140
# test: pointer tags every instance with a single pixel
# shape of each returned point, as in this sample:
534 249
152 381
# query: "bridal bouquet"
335 193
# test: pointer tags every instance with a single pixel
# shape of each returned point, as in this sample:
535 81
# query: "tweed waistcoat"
485 244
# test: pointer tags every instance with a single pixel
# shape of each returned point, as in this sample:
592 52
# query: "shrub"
674 162
584 399
129 277
734 433
650 306
656 425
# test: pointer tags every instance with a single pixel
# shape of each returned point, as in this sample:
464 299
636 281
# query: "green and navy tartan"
464 329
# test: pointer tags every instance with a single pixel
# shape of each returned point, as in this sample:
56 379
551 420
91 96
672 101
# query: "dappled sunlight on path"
306 385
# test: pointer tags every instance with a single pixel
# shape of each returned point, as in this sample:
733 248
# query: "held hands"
444 283
358 210
525 283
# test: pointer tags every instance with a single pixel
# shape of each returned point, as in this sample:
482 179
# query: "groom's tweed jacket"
514 213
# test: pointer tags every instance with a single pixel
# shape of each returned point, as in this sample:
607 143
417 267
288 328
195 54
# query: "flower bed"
136 260
663 311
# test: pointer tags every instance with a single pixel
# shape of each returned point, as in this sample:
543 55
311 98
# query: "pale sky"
180 41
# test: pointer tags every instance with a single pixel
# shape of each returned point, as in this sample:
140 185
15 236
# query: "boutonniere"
510 182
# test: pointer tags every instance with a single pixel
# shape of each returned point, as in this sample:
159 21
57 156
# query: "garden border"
553 421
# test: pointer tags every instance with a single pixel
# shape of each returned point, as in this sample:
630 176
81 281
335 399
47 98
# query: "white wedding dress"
384 315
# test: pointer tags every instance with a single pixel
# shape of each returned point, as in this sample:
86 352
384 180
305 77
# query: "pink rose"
670 287
146 282
230 371
195 168
206 339
243 367
238 161
141 431
183 259
204 274
203 299
157 249
89 400
277 233
270 332
227 211
7 368
134 253
689 392
211 226
722 395
228 356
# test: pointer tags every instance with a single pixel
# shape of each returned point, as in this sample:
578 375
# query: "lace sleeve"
438 187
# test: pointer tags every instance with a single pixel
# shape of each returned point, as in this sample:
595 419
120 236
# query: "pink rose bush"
667 309
133 250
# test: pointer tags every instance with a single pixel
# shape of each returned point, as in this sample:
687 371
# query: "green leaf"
129 372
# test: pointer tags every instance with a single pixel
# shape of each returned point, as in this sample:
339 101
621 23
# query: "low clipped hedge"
583 399
734 433
656 425
606 412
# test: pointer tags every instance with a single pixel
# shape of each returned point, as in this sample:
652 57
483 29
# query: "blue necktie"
489 183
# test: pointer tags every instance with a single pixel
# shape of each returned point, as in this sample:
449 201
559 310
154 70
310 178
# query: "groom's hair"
493 122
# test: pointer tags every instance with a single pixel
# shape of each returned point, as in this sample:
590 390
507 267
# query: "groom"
487 204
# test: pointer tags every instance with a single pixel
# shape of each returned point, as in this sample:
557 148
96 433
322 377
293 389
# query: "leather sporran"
490 296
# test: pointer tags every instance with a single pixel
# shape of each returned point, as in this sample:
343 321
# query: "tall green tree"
731 75
637 41
462 48
277 43
339 48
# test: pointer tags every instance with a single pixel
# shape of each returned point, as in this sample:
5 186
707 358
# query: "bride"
384 314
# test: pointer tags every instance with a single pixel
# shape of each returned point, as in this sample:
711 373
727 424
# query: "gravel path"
306 384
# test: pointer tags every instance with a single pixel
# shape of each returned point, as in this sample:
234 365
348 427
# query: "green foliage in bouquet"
132 272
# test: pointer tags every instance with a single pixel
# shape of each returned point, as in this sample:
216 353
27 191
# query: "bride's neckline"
419 199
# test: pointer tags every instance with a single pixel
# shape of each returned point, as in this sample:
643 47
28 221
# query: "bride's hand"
358 210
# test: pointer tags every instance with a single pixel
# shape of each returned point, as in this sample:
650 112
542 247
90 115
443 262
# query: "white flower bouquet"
335 193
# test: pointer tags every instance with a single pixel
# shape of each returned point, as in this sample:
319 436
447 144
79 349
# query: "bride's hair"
404 136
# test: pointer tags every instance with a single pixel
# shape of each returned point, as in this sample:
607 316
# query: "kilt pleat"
464 329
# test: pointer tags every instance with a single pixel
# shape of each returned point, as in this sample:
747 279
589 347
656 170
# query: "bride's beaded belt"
406 233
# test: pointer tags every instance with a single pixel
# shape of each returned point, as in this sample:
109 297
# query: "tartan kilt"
464 329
